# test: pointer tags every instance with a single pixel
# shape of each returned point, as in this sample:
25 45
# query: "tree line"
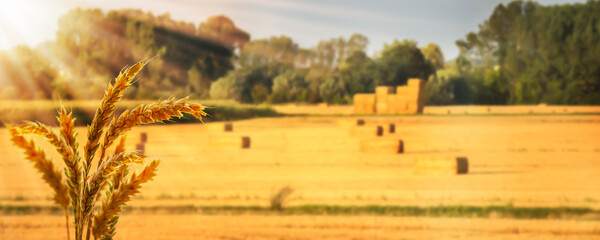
527 53
524 53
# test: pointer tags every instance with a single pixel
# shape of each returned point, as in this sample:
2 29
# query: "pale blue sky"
440 21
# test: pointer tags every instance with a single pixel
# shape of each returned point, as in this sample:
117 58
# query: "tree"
288 87
433 53
222 29
357 72
228 87
541 53
400 61
333 90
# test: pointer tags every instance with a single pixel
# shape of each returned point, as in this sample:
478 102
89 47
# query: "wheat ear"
105 110
66 152
108 215
44 165
149 113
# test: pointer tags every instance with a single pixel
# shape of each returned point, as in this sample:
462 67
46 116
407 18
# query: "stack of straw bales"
441 165
390 100
382 145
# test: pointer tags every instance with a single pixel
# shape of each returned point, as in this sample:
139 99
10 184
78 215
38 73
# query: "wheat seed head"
44 165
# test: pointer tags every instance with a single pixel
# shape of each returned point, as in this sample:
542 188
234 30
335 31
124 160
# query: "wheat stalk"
111 222
45 166
147 114
97 181
107 217
69 157
81 188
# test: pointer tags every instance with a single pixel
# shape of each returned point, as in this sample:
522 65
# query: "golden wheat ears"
82 187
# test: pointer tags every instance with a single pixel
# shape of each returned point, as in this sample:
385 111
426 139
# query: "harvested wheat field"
516 161
164 227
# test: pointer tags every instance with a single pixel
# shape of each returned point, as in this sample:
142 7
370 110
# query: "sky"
32 22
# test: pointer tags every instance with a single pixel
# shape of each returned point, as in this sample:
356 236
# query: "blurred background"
285 154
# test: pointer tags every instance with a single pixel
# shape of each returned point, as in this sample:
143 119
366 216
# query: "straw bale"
143 137
220 127
381 92
441 165
365 131
381 107
392 128
348 123
412 107
402 90
397 104
415 83
225 141
228 127
364 103
382 145
140 147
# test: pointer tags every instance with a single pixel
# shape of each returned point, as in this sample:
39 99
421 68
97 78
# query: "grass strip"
378 210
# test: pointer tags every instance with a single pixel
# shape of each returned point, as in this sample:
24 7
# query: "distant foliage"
524 53
529 53
189 57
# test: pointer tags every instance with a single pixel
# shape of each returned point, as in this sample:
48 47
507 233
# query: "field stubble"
515 160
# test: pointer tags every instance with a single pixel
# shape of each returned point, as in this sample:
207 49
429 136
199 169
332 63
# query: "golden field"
549 160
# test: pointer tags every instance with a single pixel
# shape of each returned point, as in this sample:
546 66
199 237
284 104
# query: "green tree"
433 53
333 91
400 61
289 87
357 72
542 53
228 87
